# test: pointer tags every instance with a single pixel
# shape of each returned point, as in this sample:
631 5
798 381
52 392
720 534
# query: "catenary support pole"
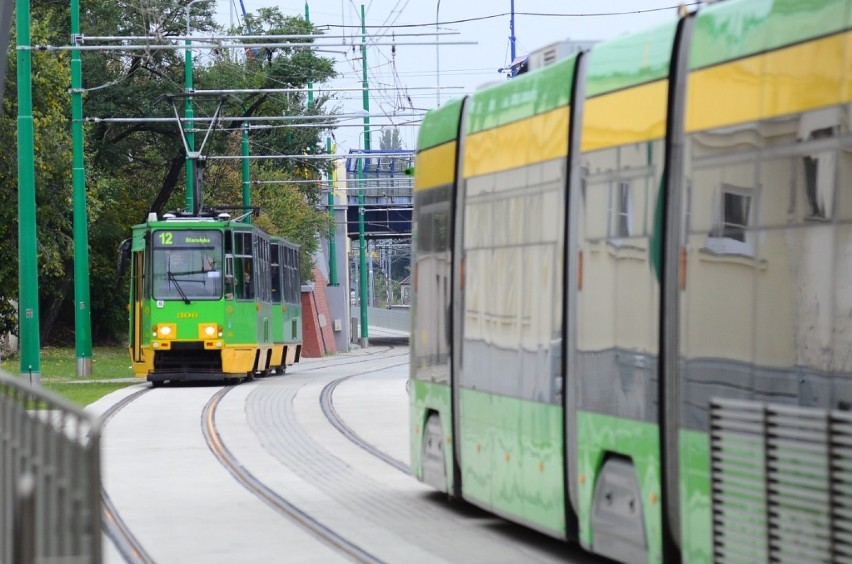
437 56
189 126
246 172
310 84
82 317
362 267
28 322
332 245
512 33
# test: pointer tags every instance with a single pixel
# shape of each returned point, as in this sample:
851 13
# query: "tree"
132 168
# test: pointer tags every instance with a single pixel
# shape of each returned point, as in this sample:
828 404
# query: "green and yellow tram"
212 298
633 291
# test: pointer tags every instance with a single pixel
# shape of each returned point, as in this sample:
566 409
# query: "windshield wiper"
177 286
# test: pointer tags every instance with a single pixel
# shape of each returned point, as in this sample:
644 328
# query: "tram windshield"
187 264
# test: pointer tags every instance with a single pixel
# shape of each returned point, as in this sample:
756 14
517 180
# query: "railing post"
24 519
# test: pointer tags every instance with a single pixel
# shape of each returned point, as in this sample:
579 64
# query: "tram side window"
291 276
275 272
288 273
297 276
243 266
262 269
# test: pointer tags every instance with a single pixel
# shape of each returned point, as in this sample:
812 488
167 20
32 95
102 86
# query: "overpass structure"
388 192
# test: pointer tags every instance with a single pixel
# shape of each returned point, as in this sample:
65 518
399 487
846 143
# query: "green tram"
212 298
633 291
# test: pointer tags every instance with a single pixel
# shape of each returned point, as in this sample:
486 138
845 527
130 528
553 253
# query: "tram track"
327 405
114 526
132 550
279 504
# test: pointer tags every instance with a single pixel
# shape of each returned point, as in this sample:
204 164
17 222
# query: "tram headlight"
208 331
165 331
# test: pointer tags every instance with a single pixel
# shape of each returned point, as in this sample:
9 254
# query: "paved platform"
184 506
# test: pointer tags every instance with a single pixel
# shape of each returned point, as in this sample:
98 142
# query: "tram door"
137 305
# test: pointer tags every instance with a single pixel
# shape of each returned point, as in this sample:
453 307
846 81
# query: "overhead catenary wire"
219 38
504 14
354 154
214 46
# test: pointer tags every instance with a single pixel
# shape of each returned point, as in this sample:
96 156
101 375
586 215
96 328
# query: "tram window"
187 265
288 274
275 272
294 275
244 270
229 277
266 281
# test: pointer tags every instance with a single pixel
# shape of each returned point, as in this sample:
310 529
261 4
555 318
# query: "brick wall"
318 333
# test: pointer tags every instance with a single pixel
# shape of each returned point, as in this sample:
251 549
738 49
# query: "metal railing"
50 495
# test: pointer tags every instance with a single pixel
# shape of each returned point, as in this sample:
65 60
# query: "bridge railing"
50 500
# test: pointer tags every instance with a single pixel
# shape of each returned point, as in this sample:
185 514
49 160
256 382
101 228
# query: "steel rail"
245 478
114 526
327 405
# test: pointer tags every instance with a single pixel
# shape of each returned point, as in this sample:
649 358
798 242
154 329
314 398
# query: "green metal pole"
82 317
189 125
310 84
28 322
332 245
246 172
361 238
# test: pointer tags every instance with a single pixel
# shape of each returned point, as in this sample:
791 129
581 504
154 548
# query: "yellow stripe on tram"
800 78
612 120
534 140
435 166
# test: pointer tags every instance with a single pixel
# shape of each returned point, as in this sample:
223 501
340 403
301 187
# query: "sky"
405 80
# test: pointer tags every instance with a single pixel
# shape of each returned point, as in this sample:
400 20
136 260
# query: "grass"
59 372
85 393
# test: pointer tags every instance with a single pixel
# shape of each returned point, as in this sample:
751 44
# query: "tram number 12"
165 238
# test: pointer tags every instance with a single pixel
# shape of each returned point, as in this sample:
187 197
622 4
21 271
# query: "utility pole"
82 317
189 115
332 245
372 293
246 172
361 237
28 322
512 32
310 84
437 55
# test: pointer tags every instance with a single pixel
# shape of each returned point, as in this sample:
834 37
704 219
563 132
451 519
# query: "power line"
535 14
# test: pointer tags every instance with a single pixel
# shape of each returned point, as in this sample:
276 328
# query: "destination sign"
188 238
